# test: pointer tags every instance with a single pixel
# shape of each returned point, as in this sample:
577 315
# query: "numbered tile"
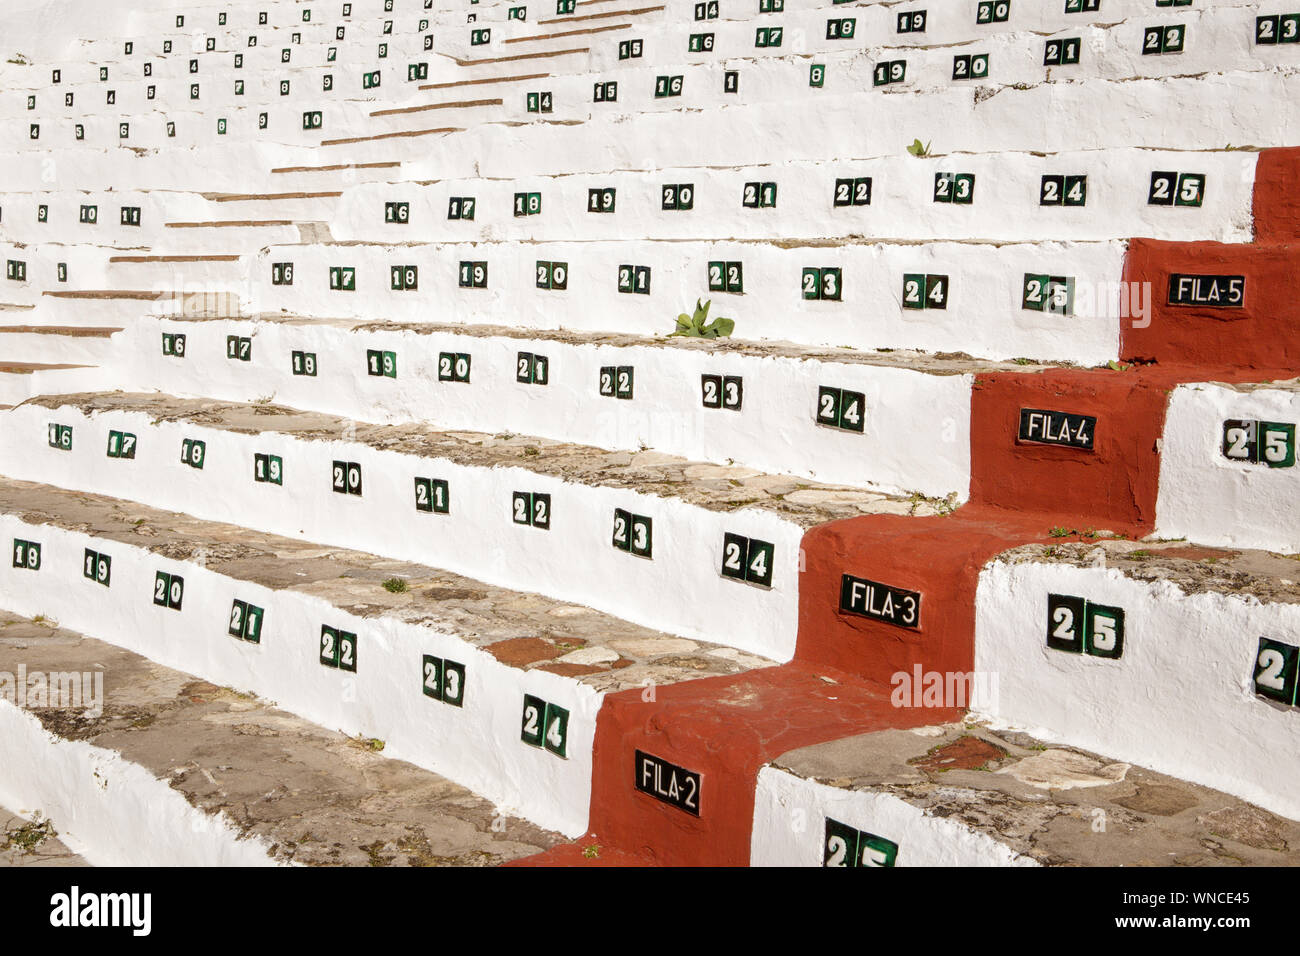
1256 442
545 725
268 469
303 363
748 560
841 408
432 495
346 477
168 590
381 363
329 646
532 369
461 207
845 846
824 284
1063 191
553 276
246 621
727 277
282 273
841 28
1062 52
889 72
601 200
532 509
453 367
173 344
993 11
27 555
404 278
343 279
759 196
1275 671
97 567
239 348
193 452
444 680
958 188
60 436
121 445
1050 294
634 279
678 197
473 275
1169 38
852 191
722 391
970 66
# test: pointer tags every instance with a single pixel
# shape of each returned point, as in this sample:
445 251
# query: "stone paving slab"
1057 805
32 840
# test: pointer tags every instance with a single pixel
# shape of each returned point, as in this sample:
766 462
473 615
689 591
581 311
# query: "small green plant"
1059 532
698 326
30 835
591 852
1117 366
919 149
396 586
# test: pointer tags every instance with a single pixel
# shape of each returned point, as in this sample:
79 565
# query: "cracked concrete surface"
715 487
314 796
1058 805
523 630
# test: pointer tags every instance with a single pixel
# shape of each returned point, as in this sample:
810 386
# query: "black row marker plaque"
667 782
1042 427
880 602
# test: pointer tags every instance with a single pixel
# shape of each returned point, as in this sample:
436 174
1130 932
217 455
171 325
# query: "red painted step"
725 729
937 558
1255 322
1067 449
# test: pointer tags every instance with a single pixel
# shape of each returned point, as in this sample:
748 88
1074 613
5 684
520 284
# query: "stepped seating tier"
719 401
507 645
335 355
974 294
969 795
628 528
1170 674
258 785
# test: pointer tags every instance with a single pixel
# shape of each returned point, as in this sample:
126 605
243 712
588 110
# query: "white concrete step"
92 732
628 528
442 669
1176 657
